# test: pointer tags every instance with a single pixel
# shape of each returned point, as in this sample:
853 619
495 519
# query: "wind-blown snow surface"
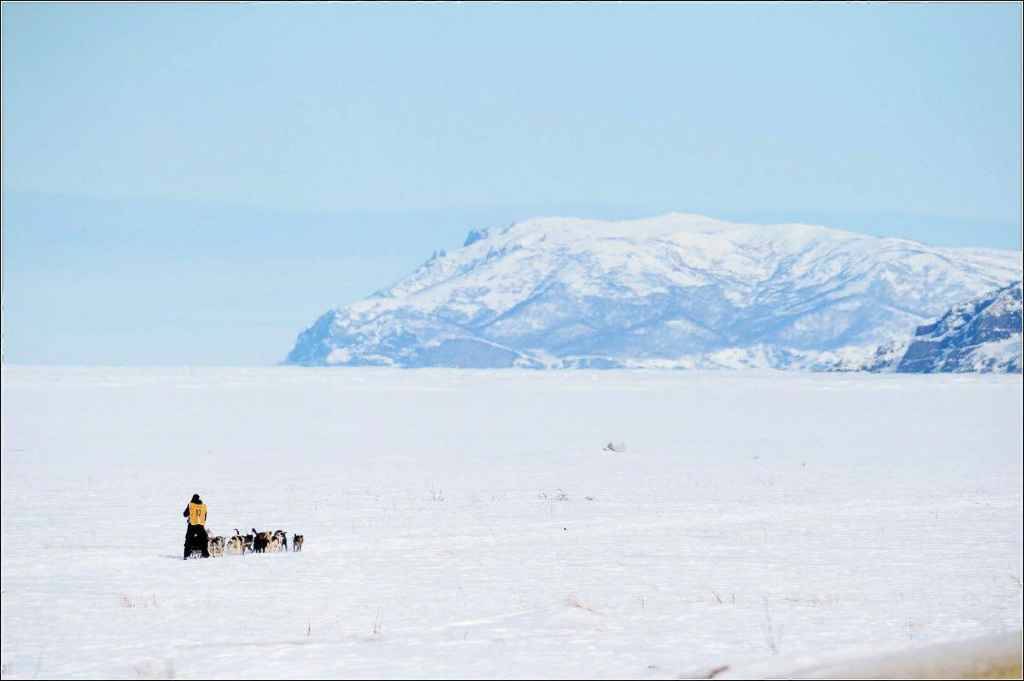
676 290
468 524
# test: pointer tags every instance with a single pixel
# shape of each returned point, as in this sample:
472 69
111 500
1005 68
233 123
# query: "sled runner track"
487 620
229 645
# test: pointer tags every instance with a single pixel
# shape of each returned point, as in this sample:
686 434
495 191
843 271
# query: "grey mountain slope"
981 335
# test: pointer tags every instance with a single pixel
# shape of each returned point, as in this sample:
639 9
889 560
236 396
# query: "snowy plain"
469 523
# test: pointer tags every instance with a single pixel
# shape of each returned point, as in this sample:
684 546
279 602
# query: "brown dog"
260 541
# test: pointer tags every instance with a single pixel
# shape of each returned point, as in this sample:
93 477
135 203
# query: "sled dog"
260 541
215 546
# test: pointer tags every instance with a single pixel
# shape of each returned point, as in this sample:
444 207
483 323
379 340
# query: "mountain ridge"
554 292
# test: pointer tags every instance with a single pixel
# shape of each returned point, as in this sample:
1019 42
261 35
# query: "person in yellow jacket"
196 538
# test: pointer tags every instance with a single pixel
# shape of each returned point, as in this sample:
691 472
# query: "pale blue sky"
195 183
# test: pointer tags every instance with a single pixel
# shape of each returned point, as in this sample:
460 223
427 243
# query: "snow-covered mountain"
981 335
672 291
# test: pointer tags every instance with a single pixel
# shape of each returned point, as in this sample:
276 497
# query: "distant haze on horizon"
193 184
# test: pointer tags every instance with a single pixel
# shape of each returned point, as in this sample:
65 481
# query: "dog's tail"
236 532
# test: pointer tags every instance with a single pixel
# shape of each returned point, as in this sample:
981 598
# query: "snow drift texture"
672 291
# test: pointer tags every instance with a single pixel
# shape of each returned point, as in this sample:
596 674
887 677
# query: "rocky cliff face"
980 335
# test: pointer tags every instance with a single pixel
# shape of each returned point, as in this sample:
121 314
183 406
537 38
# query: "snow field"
468 524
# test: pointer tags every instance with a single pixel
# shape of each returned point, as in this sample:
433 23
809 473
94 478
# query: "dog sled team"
254 542
198 541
